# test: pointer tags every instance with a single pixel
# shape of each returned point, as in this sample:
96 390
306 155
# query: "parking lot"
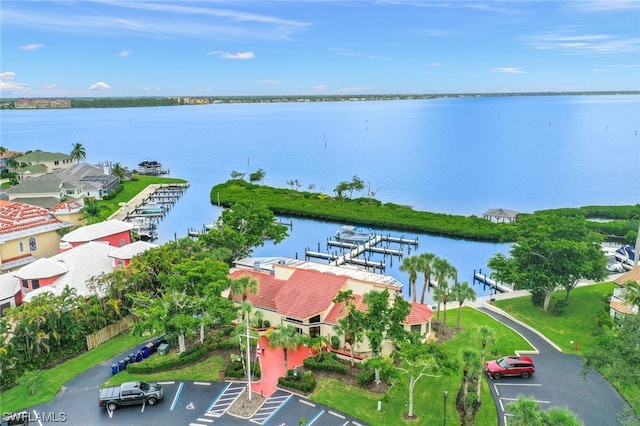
184 403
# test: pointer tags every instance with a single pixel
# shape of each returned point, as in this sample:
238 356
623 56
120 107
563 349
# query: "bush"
266 323
304 382
185 358
325 361
366 377
537 297
558 308
335 342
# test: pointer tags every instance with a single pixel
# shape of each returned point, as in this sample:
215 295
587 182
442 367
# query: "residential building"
618 307
69 211
301 294
27 232
116 233
46 191
52 160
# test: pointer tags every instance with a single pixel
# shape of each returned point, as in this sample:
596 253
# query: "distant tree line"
122 102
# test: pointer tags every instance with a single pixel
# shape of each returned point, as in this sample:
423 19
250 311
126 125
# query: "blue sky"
208 48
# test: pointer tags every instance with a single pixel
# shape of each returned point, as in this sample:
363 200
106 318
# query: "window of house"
56 162
122 242
416 328
35 284
20 246
293 320
3 307
314 320
25 286
33 246
314 331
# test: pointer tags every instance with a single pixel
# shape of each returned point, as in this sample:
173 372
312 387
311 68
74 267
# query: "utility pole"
248 355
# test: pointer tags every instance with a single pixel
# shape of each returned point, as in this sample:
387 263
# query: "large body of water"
451 155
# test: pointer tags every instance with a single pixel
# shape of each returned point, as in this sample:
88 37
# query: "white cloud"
34 46
568 41
125 53
7 83
508 70
434 64
320 88
99 85
237 55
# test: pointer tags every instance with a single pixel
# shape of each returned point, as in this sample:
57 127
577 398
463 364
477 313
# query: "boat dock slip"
358 244
484 279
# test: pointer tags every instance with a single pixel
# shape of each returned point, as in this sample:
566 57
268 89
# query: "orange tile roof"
267 289
16 217
66 207
419 314
339 310
632 275
621 307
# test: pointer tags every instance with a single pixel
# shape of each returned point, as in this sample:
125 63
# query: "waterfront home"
618 307
51 160
45 191
116 233
27 232
301 294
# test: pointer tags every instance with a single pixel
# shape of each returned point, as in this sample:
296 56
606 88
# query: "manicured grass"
131 188
575 324
429 391
18 398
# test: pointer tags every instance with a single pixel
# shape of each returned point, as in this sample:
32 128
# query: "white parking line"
175 398
202 383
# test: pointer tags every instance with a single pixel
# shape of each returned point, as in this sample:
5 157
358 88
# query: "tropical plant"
425 266
632 293
118 171
285 337
78 153
525 412
486 335
461 292
411 265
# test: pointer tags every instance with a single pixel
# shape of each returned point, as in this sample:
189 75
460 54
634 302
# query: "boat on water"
151 208
626 255
352 234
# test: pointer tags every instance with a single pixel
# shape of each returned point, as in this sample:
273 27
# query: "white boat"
352 234
151 208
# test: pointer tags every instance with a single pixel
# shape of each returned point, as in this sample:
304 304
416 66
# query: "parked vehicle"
17 418
130 393
510 366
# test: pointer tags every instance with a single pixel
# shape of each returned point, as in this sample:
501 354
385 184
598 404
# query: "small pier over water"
147 214
359 253
483 278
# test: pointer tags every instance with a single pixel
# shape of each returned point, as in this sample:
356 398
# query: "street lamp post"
444 417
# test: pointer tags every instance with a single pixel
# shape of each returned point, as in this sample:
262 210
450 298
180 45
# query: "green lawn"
576 324
429 392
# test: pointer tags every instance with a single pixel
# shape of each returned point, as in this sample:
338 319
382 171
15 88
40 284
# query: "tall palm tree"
242 286
425 266
410 265
92 211
471 368
285 337
442 270
78 153
462 292
487 336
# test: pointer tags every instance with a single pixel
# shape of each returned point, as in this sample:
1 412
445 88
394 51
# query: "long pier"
486 280
356 250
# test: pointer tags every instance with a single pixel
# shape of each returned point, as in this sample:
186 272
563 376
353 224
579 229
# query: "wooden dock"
486 280
356 253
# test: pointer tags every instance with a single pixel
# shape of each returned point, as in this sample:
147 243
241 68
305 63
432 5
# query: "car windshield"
502 363
144 386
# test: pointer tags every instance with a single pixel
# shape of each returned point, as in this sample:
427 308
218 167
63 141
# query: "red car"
510 366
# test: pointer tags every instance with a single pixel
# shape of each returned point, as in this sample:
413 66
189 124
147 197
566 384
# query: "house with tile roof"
114 232
618 308
301 294
73 268
27 233
44 191
69 211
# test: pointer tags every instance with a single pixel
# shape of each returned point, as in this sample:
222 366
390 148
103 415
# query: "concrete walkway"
128 207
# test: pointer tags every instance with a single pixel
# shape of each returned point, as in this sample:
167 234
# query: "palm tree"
285 337
442 270
92 211
471 368
242 286
526 412
425 266
632 293
78 153
462 292
118 171
487 335
411 265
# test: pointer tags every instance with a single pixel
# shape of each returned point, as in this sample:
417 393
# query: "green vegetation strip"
622 221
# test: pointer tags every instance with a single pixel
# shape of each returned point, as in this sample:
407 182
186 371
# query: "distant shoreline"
141 101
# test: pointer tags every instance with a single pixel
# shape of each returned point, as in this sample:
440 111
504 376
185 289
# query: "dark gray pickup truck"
130 393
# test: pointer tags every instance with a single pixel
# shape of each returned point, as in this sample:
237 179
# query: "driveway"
557 382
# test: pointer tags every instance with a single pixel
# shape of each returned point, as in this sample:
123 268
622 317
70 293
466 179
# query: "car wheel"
112 406
152 401
497 375
525 375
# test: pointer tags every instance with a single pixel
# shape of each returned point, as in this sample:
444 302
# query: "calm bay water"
460 156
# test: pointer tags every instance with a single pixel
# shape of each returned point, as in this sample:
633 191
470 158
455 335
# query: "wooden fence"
109 331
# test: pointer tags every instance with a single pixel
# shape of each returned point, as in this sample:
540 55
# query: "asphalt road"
557 382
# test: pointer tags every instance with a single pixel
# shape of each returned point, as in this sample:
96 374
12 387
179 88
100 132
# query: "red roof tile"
339 310
268 287
308 293
419 314
16 217
632 275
